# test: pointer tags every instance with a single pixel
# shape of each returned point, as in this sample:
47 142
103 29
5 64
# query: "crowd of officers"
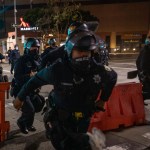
79 71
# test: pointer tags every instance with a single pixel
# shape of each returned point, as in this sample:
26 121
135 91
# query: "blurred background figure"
51 46
102 54
14 56
1 57
143 67
8 53
3 78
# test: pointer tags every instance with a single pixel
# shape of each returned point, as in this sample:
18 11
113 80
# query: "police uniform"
77 81
72 94
47 50
52 46
14 56
51 56
25 67
22 71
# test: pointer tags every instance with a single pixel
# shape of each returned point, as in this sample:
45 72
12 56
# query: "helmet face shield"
71 29
16 46
87 43
147 41
35 43
79 54
51 41
79 48
82 41
32 47
77 26
32 42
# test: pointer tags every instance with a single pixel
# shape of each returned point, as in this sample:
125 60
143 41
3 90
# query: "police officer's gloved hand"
99 105
37 90
32 73
96 139
141 76
17 103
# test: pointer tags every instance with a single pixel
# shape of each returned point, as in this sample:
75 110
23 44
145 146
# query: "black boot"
22 127
31 128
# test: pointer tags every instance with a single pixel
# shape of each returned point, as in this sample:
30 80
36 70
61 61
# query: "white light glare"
134 49
50 35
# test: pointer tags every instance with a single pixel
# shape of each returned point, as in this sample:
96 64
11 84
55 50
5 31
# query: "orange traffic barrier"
4 125
125 107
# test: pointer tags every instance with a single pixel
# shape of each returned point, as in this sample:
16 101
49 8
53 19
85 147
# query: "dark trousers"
146 90
67 132
28 113
12 66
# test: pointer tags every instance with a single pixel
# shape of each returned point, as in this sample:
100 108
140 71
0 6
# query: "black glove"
99 105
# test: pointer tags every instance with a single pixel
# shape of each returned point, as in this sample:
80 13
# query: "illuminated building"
123 24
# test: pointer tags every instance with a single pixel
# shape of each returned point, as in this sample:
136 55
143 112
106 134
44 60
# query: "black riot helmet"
16 46
147 41
84 41
32 47
77 26
31 42
52 42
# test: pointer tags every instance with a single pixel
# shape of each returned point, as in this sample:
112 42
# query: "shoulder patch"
97 78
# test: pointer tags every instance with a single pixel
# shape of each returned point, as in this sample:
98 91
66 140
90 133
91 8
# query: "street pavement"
129 138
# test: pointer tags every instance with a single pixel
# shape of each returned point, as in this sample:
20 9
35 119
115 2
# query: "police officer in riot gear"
25 68
77 81
143 66
102 54
52 46
59 51
14 56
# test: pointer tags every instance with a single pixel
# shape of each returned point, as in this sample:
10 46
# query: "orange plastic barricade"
125 107
4 125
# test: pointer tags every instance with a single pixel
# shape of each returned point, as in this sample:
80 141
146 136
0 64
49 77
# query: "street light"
15 21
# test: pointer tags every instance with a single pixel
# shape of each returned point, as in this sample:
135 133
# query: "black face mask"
81 65
34 54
